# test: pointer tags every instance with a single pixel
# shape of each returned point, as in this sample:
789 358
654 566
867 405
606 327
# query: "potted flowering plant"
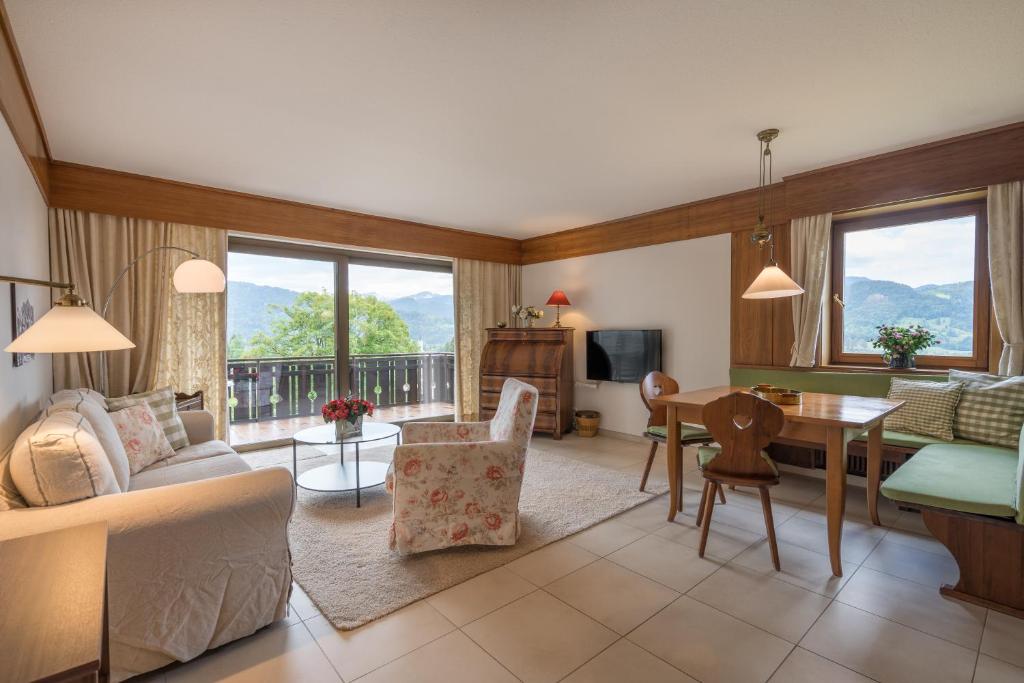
528 313
900 344
347 415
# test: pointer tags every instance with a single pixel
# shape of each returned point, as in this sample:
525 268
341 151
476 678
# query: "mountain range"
947 310
430 317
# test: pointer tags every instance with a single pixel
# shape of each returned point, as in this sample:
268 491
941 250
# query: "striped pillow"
161 401
929 407
991 408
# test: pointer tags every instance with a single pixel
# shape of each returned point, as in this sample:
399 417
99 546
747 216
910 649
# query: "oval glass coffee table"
341 476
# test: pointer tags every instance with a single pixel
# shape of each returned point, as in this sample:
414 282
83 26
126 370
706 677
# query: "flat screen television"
622 355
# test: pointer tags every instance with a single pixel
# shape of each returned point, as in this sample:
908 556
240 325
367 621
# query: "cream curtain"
810 243
1006 269
179 338
484 295
193 355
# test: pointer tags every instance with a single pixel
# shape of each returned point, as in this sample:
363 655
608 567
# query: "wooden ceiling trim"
18 106
74 186
962 163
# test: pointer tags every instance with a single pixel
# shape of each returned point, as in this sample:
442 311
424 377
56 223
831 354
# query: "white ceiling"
513 118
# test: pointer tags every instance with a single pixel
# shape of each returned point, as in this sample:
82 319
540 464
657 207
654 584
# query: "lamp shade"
198 276
558 298
772 283
67 329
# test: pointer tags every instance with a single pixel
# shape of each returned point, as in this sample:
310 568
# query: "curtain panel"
484 295
172 332
810 244
1006 270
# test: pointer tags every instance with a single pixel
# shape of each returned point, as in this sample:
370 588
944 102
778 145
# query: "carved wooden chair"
743 425
653 385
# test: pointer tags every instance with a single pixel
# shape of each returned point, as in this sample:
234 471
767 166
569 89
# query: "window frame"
978 360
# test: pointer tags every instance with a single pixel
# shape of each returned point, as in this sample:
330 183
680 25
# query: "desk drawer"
545 385
489 399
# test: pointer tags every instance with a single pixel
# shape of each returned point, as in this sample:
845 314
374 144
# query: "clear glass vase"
343 429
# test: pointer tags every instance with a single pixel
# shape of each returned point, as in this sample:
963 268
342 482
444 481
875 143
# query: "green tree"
375 327
306 328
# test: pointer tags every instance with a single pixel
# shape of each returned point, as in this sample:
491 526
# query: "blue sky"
933 253
300 275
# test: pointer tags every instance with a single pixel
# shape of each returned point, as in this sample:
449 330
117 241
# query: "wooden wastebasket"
587 422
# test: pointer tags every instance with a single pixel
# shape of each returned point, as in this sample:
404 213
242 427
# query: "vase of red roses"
347 415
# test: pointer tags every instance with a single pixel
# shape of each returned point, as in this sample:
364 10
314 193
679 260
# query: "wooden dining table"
829 420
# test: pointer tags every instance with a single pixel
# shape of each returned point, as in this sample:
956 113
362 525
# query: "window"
923 266
306 324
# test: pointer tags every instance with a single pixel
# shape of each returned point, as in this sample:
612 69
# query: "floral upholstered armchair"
457 483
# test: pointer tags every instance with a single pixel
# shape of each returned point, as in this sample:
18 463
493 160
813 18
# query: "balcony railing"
284 388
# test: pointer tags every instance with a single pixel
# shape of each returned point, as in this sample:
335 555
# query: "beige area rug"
340 553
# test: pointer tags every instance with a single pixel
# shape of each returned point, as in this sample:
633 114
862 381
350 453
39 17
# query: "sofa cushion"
166 411
991 408
96 413
685 431
194 470
196 451
929 407
76 395
10 497
975 479
59 460
143 438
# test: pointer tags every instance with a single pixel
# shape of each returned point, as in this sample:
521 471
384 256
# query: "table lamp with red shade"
558 299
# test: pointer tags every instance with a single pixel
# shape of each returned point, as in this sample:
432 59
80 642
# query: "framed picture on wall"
23 314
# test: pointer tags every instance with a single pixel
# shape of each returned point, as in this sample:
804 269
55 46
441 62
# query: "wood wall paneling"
73 186
752 320
17 104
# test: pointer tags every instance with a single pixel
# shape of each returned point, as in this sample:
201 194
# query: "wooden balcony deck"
245 433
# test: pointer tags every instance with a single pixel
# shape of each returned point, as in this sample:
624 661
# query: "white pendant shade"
772 283
198 276
67 329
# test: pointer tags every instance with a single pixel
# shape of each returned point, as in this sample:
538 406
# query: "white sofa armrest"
190 566
198 425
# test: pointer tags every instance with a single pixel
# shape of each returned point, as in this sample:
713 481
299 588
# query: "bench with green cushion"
971 498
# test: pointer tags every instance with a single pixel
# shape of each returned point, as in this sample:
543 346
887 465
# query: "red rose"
462 431
472 508
460 532
493 520
495 473
438 496
411 468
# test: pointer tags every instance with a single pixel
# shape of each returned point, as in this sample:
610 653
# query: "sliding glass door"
287 354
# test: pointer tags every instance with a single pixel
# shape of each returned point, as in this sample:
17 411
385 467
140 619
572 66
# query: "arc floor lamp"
72 326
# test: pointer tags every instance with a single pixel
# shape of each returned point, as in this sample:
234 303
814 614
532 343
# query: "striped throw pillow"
928 409
161 401
991 408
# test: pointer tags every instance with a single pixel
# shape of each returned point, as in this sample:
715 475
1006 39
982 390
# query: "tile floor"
629 600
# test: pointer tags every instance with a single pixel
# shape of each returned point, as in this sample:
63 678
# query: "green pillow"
928 409
991 408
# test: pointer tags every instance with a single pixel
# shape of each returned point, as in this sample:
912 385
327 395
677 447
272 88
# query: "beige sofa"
198 551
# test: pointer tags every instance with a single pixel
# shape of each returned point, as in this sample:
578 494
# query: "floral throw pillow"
142 435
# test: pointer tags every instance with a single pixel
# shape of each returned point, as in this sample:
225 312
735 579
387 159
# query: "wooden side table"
53 589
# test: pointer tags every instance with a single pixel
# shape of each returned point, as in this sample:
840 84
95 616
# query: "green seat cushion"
976 479
908 440
705 454
686 432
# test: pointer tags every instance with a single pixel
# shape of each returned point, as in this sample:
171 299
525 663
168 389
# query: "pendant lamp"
772 282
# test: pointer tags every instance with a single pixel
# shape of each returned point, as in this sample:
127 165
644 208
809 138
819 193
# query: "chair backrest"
517 409
654 385
743 425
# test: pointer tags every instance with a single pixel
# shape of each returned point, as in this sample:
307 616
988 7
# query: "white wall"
24 251
681 288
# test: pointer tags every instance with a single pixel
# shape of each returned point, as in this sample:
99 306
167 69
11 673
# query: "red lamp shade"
558 298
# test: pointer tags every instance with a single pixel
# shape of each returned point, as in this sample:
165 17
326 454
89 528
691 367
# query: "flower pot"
901 361
343 429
